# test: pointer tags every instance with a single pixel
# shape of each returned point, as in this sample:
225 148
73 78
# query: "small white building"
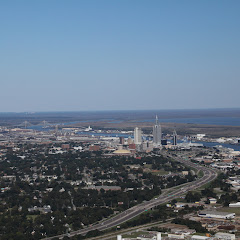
212 200
179 205
200 136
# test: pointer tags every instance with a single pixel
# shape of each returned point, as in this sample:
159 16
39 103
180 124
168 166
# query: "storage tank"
159 236
119 237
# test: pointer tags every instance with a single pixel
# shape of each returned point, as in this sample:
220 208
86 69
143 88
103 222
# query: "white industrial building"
214 214
234 204
158 236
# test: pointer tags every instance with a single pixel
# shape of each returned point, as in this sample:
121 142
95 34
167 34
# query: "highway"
208 176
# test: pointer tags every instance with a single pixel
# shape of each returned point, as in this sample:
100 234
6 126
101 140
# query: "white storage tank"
119 237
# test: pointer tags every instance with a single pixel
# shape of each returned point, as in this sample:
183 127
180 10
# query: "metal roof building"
215 214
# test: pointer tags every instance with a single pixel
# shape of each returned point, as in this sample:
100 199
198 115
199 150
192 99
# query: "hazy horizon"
128 110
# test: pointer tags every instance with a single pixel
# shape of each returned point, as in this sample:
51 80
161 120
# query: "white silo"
119 237
159 236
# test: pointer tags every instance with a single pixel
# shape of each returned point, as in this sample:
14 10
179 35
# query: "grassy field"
230 210
218 190
32 217
200 174
207 185
148 166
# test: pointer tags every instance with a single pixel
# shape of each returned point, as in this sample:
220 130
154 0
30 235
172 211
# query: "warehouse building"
214 214
234 204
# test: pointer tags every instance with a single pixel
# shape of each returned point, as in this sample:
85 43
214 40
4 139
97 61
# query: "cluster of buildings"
56 142
98 139
155 142
157 139
222 158
123 142
234 181
180 234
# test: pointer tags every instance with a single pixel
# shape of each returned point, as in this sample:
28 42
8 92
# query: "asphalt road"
209 175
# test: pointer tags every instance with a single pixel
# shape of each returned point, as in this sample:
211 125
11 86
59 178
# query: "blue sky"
118 55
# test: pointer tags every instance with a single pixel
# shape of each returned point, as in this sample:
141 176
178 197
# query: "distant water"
227 121
224 121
